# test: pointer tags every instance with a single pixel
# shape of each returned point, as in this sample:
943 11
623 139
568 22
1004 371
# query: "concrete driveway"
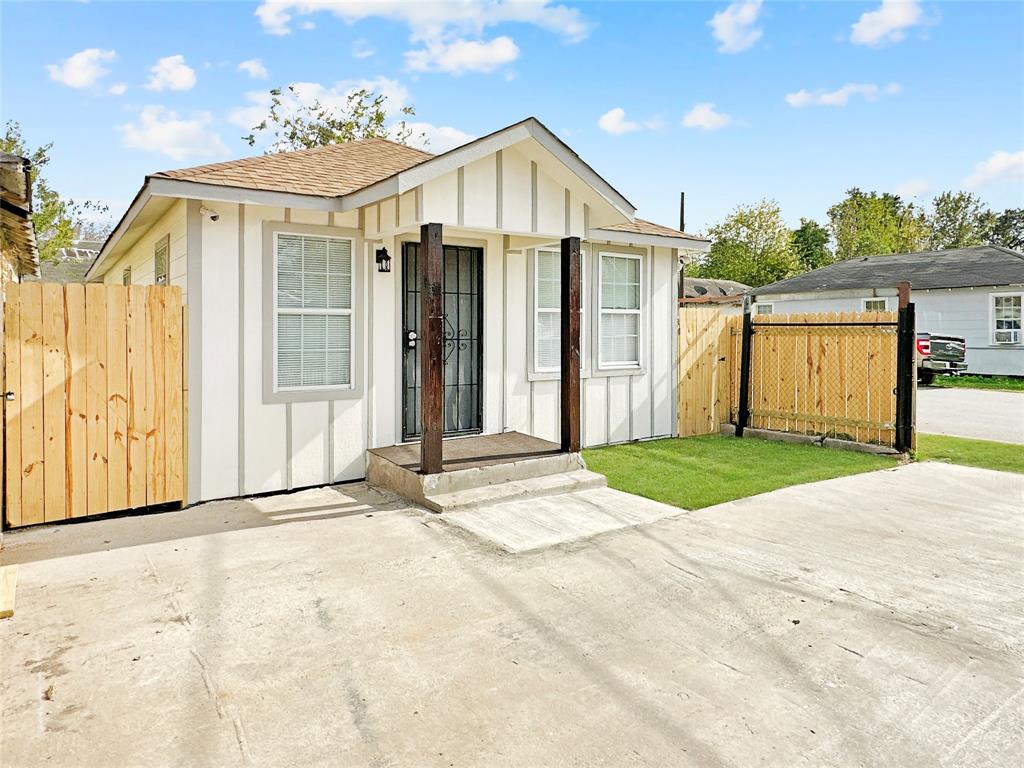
979 413
873 620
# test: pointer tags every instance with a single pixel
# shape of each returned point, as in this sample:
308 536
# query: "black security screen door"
463 340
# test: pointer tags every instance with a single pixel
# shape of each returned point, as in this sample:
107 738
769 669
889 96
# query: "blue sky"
731 103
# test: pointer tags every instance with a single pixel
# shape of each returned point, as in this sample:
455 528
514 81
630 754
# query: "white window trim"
639 312
537 309
992 319
883 299
759 305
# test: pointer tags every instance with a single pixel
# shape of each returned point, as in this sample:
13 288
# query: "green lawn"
988 454
1009 383
697 472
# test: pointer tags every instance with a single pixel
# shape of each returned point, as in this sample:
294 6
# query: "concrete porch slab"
537 523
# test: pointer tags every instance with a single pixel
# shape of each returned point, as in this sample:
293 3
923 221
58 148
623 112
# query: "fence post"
906 378
744 411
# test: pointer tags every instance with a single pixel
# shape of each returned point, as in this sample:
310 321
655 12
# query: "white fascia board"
846 293
660 241
122 227
193 190
450 161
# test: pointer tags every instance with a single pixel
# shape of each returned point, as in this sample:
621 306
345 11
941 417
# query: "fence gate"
847 375
709 344
95 410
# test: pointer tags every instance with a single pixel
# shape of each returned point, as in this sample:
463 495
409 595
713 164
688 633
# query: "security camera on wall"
214 216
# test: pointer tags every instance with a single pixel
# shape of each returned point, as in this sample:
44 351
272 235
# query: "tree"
57 221
959 220
867 223
752 245
810 244
1007 229
294 124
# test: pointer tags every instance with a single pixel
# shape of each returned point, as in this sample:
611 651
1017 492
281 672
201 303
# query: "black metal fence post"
906 378
744 411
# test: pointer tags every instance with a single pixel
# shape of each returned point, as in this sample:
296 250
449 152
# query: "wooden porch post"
430 263
570 319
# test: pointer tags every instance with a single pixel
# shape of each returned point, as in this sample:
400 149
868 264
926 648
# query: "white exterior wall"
241 442
141 257
964 312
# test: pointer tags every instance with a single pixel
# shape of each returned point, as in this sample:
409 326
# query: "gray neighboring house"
975 293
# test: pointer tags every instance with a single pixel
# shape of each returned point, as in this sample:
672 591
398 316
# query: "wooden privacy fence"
709 355
832 374
94 418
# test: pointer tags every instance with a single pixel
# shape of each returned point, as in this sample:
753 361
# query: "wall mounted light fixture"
383 260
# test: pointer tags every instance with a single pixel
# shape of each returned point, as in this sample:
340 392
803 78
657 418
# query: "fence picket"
54 405
12 413
77 409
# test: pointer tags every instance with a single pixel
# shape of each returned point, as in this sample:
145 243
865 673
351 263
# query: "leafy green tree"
57 221
810 244
867 223
959 220
1008 229
294 124
752 245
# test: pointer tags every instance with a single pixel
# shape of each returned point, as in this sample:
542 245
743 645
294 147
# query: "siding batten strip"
650 339
533 196
499 191
586 221
329 456
460 176
568 210
288 215
241 349
288 445
194 262
504 312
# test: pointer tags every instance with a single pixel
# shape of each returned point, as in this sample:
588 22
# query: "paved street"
978 413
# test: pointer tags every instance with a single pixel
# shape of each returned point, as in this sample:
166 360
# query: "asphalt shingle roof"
328 171
954 268
642 227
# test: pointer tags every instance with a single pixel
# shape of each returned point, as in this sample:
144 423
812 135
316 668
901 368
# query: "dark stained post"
903 291
743 415
906 372
431 348
570 318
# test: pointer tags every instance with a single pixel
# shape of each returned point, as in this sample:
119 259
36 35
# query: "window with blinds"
313 311
1007 316
547 328
161 253
619 338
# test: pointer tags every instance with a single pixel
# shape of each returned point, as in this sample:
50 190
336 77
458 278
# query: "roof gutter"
660 241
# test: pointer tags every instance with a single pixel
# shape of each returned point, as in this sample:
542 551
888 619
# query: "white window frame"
883 299
764 308
537 309
278 311
639 311
992 318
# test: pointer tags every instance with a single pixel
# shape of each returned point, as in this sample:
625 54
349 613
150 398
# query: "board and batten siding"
141 256
964 312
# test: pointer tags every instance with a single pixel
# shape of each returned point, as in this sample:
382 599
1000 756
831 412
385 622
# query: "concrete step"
515 490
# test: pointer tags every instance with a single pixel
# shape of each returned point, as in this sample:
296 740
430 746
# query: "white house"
975 293
302 353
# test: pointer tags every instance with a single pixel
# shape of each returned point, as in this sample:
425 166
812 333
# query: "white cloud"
614 122
913 188
461 56
159 129
82 69
118 89
734 27
888 23
841 96
361 49
171 73
1001 166
432 20
437 139
254 68
704 116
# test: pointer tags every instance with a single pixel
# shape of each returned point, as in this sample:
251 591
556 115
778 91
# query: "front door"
463 340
